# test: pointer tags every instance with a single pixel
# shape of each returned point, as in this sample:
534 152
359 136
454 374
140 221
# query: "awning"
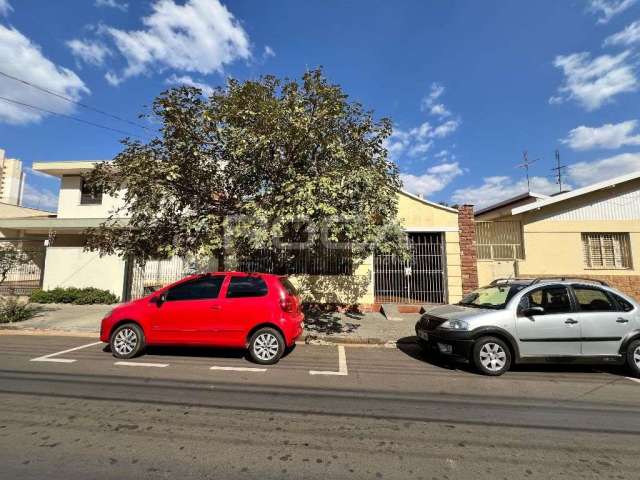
46 224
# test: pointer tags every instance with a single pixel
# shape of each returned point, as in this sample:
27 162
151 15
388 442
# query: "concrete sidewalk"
348 328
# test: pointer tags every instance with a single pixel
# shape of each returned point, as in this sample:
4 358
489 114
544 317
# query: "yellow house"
435 273
591 232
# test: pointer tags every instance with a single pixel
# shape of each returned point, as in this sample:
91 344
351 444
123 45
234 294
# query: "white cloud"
606 136
594 82
586 173
498 188
268 52
418 140
23 59
200 36
626 37
440 110
446 129
187 80
112 4
429 102
41 199
435 179
607 9
5 7
89 51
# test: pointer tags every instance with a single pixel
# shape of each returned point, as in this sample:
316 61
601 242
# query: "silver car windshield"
495 297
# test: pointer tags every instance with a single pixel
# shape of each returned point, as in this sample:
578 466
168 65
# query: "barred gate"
27 276
141 280
419 280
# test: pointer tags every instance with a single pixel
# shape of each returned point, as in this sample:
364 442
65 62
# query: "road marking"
238 369
141 364
342 365
47 358
637 380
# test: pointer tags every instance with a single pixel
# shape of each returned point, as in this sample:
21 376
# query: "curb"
11 330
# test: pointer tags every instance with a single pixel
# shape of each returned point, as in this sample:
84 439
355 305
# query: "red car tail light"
288 304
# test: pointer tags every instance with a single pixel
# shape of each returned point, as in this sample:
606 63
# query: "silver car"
562 320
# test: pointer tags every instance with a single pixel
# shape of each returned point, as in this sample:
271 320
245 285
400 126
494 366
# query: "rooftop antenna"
559 170
526 164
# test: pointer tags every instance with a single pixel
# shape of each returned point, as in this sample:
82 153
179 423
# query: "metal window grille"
22 279
606 250
499 240
324 261
88 196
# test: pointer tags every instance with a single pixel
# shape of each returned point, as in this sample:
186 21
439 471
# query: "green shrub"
12 310
76 296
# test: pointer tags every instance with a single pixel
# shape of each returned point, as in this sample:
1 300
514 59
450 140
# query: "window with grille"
499 240
606 250
89 196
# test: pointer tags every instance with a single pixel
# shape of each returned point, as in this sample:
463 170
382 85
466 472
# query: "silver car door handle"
570 321
622 320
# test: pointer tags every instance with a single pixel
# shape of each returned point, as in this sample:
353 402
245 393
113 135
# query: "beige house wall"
69 201
73 267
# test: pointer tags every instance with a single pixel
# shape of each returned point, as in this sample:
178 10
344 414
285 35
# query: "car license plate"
423 335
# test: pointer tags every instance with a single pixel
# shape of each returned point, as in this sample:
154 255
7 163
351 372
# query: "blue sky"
468 84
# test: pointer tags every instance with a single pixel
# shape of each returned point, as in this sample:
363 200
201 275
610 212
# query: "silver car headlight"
455 325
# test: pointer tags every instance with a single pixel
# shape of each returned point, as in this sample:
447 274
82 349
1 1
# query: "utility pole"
559 170
526 164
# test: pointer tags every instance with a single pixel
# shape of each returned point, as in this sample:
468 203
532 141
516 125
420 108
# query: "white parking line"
47 358
238 369
141 364
342 365
637 380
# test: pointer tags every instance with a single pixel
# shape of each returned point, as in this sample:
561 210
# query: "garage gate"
419 280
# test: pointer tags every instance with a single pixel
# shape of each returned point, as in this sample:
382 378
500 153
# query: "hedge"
76 296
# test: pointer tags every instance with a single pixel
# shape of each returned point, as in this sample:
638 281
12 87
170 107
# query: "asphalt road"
369 413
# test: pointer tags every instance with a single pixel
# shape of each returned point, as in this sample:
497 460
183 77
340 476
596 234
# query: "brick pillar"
468 251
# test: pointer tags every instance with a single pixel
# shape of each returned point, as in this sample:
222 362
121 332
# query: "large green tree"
257 160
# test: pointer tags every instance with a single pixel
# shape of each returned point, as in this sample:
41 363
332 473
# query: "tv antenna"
526 164
559 170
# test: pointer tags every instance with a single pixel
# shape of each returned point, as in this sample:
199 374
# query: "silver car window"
553 299
593 300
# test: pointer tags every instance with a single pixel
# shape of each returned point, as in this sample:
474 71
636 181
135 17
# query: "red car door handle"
216 307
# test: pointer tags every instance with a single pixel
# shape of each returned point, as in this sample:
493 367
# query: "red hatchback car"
261 312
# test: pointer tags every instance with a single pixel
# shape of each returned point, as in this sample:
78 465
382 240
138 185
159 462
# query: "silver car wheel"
266 346
493 357
125 341
636 356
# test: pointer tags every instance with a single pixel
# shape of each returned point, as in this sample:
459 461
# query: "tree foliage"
257 160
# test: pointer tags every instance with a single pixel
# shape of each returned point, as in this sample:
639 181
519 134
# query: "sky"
469 85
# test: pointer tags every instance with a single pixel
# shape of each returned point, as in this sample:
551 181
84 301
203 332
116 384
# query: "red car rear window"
288 286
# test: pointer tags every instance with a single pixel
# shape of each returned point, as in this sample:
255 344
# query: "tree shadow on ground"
330 323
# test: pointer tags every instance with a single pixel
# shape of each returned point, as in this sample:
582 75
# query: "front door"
418 280
553 333
245 305
603 326
190 312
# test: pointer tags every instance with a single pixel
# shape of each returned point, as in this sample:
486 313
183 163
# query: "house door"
420 279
